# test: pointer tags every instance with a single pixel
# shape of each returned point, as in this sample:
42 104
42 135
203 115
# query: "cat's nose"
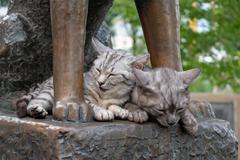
100 83
171 122
101 80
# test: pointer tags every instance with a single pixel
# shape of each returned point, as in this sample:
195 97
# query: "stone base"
22 139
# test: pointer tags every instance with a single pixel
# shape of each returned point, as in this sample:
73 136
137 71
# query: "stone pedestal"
22 139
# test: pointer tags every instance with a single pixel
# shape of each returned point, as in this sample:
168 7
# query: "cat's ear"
190 75
140 62
141 77
99 47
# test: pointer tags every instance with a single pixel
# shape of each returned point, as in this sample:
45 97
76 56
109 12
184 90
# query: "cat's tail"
21 105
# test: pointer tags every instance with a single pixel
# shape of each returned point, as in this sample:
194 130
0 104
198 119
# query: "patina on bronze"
160 22
68 32
4 48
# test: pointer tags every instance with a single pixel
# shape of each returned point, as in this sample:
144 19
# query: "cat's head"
114 66
163 92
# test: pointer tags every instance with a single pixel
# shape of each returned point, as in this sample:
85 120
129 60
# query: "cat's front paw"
103 115
189 122
72 111
119 112
138 116
36 111
135 113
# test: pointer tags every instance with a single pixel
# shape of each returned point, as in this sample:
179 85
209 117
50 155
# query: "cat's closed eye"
157 109
98 70
111 75
148 92
183 89
160 112
179 110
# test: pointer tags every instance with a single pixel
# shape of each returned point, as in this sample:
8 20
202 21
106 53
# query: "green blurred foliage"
222 35
127 12
3 2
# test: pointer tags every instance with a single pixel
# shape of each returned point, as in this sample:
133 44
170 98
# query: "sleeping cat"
163 94
107 86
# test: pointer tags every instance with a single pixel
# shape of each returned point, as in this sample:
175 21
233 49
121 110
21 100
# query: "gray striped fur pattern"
163 94
107 86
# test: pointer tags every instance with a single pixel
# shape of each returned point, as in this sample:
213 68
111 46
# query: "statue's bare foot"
72 111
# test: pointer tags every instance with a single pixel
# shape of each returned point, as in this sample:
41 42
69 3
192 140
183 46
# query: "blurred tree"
3 2
126 12
209 39
214 45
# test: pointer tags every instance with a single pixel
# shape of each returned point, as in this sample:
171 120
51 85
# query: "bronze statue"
160 21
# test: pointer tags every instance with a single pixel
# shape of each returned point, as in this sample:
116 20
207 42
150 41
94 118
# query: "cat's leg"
22 102
68 31
40 106
189 122
27 98
136 114
118 111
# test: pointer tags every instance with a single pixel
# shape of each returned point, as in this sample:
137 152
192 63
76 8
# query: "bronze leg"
160 22
68 33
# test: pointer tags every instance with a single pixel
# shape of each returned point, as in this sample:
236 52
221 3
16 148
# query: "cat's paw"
103 115
72 111
191 129
135 113
189 122
36 111
138 116
119 112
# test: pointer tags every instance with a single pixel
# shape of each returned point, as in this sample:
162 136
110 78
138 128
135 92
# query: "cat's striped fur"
107 86
163 93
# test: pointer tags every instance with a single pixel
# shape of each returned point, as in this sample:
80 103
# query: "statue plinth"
47 139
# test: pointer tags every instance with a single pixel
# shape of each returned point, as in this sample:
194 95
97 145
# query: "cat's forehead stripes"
170 78
116 60
167 87
112 60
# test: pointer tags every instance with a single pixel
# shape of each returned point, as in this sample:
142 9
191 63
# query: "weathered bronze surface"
68 32
26 31
25 35
160 22
4 49
69 20
22 139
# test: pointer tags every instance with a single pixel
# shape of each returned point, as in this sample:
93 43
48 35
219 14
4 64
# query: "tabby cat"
163 94
107 86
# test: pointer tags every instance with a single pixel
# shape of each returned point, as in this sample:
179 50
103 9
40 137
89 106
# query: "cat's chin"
103 89
164 125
